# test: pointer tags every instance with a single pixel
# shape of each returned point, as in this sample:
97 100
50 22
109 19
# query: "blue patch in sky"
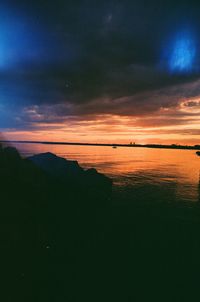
180 53
24 43
183 54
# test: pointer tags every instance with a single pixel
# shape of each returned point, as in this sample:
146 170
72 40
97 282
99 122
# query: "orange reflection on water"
134 166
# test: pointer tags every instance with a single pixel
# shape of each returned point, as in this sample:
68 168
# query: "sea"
138 174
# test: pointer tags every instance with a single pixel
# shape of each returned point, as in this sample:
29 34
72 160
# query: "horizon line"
166 146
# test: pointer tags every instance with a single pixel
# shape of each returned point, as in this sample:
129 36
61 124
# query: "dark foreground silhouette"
64 238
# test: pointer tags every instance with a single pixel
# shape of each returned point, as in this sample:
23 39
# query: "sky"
100 71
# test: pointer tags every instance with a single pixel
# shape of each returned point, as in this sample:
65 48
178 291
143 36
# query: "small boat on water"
198 153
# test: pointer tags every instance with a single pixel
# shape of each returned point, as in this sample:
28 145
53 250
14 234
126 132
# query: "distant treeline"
173 146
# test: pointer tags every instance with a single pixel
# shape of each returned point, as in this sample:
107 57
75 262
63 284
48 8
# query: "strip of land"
131 145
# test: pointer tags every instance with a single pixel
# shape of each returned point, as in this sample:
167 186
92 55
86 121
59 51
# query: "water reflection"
172 174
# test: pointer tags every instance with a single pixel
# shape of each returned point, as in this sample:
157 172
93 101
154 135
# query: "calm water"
172 174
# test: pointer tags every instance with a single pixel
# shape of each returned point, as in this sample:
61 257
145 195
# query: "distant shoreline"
196 147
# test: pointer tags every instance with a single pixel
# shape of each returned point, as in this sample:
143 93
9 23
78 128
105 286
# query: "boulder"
70 172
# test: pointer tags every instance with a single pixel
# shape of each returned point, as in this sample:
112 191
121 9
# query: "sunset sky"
100 71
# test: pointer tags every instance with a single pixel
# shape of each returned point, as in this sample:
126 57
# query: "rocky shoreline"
53 213
64 238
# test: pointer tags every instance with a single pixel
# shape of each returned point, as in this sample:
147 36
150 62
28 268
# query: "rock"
9 154
33 169
67 170
53 215
56 166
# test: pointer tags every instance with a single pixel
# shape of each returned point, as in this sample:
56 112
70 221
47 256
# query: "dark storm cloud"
92 57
